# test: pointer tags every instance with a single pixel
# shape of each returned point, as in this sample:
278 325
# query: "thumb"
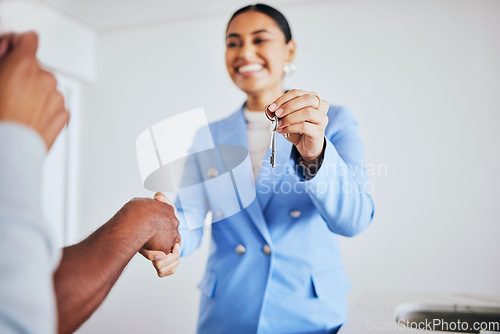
25 42
160 197
177 249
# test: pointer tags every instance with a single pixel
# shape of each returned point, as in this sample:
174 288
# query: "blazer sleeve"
190 238
339 188
191 205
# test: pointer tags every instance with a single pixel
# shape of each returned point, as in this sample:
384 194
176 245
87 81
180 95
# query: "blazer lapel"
269 177
233 132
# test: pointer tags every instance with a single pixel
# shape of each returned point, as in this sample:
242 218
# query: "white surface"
374 311
64 45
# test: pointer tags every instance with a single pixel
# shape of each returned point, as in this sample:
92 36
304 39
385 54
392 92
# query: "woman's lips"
250 68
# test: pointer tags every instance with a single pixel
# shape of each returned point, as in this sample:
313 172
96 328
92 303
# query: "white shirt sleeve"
27 251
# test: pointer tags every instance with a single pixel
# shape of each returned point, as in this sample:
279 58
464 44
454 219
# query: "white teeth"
250 68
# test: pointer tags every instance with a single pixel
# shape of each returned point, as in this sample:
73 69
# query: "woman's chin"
251 87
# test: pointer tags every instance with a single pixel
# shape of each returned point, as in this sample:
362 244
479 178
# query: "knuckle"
169 208
59 99
49 79
32 36
303 127
25 62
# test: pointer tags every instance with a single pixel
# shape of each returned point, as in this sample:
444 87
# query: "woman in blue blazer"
275 265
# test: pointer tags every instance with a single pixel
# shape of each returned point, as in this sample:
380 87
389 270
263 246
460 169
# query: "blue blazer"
275 265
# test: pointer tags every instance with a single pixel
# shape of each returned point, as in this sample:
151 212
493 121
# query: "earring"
289 68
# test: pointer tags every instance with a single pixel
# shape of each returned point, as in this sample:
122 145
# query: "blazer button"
266 249
212 172
295 213
240 249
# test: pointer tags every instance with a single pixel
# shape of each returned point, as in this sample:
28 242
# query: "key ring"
268 117
275 120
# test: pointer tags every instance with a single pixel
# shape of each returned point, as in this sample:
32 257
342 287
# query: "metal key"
274 127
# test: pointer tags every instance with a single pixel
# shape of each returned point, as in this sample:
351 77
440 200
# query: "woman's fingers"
302 120
168 270
304 128
176 250
168 259
308 100
152 255
168 265
307 114
292 101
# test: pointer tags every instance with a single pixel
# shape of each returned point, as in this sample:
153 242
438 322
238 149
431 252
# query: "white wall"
422 78
68 49
65 45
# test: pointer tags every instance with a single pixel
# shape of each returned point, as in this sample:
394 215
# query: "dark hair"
269 11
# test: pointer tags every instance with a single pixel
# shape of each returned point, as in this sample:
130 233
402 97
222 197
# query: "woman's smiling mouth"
250 68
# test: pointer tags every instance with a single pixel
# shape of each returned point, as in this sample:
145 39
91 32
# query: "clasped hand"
165 264
303 115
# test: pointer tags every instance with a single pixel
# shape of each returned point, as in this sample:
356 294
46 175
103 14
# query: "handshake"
165 263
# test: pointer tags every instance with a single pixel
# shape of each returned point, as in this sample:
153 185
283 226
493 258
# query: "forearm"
89 269
339 193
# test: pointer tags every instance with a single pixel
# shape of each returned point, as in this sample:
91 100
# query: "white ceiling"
106 15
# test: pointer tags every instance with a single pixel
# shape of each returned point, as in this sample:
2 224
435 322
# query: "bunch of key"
272 145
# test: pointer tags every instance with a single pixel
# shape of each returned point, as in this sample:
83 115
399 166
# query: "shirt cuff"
303 171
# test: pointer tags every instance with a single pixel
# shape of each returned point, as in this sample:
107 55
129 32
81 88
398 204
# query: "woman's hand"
302 115
165 264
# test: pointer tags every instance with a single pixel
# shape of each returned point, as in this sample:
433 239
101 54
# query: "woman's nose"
247 50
